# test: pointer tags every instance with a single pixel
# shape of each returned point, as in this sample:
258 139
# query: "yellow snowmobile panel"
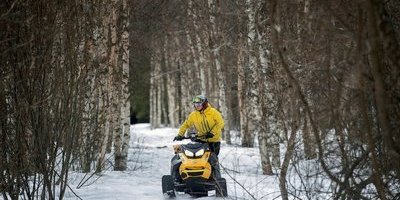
195 167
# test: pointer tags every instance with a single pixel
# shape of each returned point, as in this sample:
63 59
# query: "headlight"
189 153
199 153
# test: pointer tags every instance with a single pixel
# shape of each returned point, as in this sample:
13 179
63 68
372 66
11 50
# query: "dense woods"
314 85
319 78
64 93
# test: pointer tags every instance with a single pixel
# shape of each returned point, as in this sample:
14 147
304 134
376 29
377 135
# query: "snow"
149 159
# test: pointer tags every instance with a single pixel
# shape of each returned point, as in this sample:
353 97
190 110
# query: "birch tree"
157 84
104 103
114 79
215 49
242 86
197 42
252 108
125 100
186 78
269 134
173 64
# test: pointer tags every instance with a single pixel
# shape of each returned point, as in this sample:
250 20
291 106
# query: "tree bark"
220 73
125 100
285 165
242 85
200 49
252 108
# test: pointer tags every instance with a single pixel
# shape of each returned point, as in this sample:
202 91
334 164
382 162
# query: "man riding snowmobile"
208 123
195 168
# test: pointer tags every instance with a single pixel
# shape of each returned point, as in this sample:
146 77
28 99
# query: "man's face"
198 106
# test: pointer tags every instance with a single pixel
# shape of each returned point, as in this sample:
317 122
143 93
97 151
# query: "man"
208 123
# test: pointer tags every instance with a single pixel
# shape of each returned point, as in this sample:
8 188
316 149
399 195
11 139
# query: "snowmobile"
192 171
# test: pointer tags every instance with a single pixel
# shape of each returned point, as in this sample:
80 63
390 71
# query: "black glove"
209 135
178 138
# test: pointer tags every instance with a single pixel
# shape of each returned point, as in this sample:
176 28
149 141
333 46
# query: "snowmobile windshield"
194 147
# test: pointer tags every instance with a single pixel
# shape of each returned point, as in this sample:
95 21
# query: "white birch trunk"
253 107
202 67
195 62
171 85
88 125
125 102
163 85
103 119
116 90
158 107
152 94
220 74
242 88
188 78
158 87
104 114
182 84
265 133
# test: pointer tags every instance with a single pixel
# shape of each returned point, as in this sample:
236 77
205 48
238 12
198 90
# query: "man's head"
200 102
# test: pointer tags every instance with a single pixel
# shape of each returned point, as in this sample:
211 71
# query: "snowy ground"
149 158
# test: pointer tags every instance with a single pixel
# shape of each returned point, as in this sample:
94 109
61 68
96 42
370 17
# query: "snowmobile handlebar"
193 137
196 139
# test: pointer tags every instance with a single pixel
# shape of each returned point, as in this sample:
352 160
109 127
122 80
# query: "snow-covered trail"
149 159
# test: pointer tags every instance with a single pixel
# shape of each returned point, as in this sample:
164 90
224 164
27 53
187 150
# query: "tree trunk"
116 87
192 75
252 106
221 82
104 90
104 121
309 150
156 90
285 164
125 100
242 90
171 83
198 44
265 154
153 93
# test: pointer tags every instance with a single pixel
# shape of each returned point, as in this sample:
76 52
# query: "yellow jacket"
208 120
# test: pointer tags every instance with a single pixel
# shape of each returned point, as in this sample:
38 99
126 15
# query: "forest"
319 77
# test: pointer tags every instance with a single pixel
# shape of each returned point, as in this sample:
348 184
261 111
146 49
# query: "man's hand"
178 138
209 135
